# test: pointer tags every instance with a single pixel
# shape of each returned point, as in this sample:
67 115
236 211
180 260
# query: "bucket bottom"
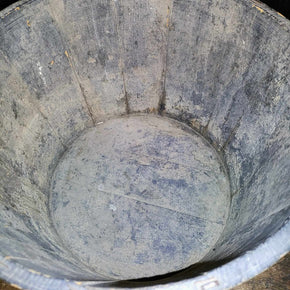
139 196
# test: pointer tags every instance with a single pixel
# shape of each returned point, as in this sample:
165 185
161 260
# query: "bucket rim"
233 273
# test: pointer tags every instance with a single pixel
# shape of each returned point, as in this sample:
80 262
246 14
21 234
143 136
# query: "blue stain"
165 248
164 140
141 258
176 166
118 243
178 183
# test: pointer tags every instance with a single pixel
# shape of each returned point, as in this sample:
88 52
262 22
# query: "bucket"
143 143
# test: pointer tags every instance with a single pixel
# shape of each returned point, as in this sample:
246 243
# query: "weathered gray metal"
207 76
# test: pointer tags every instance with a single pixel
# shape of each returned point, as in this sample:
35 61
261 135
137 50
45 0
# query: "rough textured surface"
143 195
221 67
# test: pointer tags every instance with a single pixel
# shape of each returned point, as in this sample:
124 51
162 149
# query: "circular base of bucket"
139 196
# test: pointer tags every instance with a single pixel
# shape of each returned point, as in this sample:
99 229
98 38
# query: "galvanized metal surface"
65 66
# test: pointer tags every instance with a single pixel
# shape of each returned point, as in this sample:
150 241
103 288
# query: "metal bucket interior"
142 140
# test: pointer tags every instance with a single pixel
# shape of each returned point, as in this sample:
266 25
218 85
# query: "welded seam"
244 77
72 65
215 85
70 60
122 57
162 98
233 96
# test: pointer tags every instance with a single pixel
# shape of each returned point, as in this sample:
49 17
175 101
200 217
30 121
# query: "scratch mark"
15 258
100 188
14 22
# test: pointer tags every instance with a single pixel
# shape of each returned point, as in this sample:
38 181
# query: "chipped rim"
231 274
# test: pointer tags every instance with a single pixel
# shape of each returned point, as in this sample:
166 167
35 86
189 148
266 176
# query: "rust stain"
195 124
78 283
28 23
168 17
280 14
34 272
6 14
283 255
260 9
15 286
67 55
152 110
52 62
167 22
17 8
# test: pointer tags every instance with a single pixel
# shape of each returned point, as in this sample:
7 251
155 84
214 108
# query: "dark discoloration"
14 109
